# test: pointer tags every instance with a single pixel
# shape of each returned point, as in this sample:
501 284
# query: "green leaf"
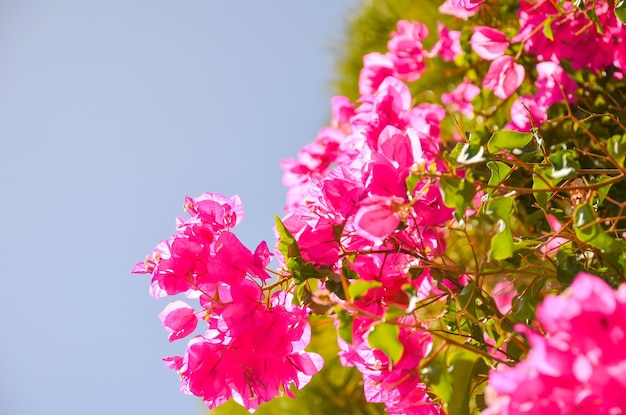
348 272
457 193
620 10
588 230
394 312
359 288
302 271
526 304
567 268
502 242
617 145
564 164
541 184
384 337
547 28
508 140
345 326
287 244
461 368
411 182
471 154
499 173
450 376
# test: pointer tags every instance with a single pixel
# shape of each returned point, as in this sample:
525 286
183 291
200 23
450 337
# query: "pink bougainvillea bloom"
397 386
460 8
504 76
552 245
179 319
342 110
526 111
503 294
576 363
488 43
216 209
253 354
448 44
406 50
378 217
554 84
460 99
376 67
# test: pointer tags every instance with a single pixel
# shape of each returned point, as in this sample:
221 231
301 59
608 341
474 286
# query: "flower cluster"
253 346
577 361
349 199
423 251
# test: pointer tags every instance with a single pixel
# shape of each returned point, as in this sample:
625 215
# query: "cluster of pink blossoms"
349 198
253 346
577 363
356 208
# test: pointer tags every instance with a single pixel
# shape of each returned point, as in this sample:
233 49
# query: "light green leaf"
384 337
547 28
287 244
502 242
457 193
508 140
541 183
499 173
345 326
617 145
359 288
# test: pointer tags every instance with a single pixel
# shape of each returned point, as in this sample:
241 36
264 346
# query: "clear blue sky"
110 112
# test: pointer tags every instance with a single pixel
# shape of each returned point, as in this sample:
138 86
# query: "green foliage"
368 31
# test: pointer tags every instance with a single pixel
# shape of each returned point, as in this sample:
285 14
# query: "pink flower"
250 354
503 294
378 217
179 319
217 209
376 67
552 245
488 43
552 82
460 8
524 109
406 50
577 365
504 76
397 386
460 99
448 45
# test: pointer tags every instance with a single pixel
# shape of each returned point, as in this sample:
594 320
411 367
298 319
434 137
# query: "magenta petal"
377 220
179 319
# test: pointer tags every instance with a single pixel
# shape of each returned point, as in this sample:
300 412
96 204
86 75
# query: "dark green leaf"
620 10
588 230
